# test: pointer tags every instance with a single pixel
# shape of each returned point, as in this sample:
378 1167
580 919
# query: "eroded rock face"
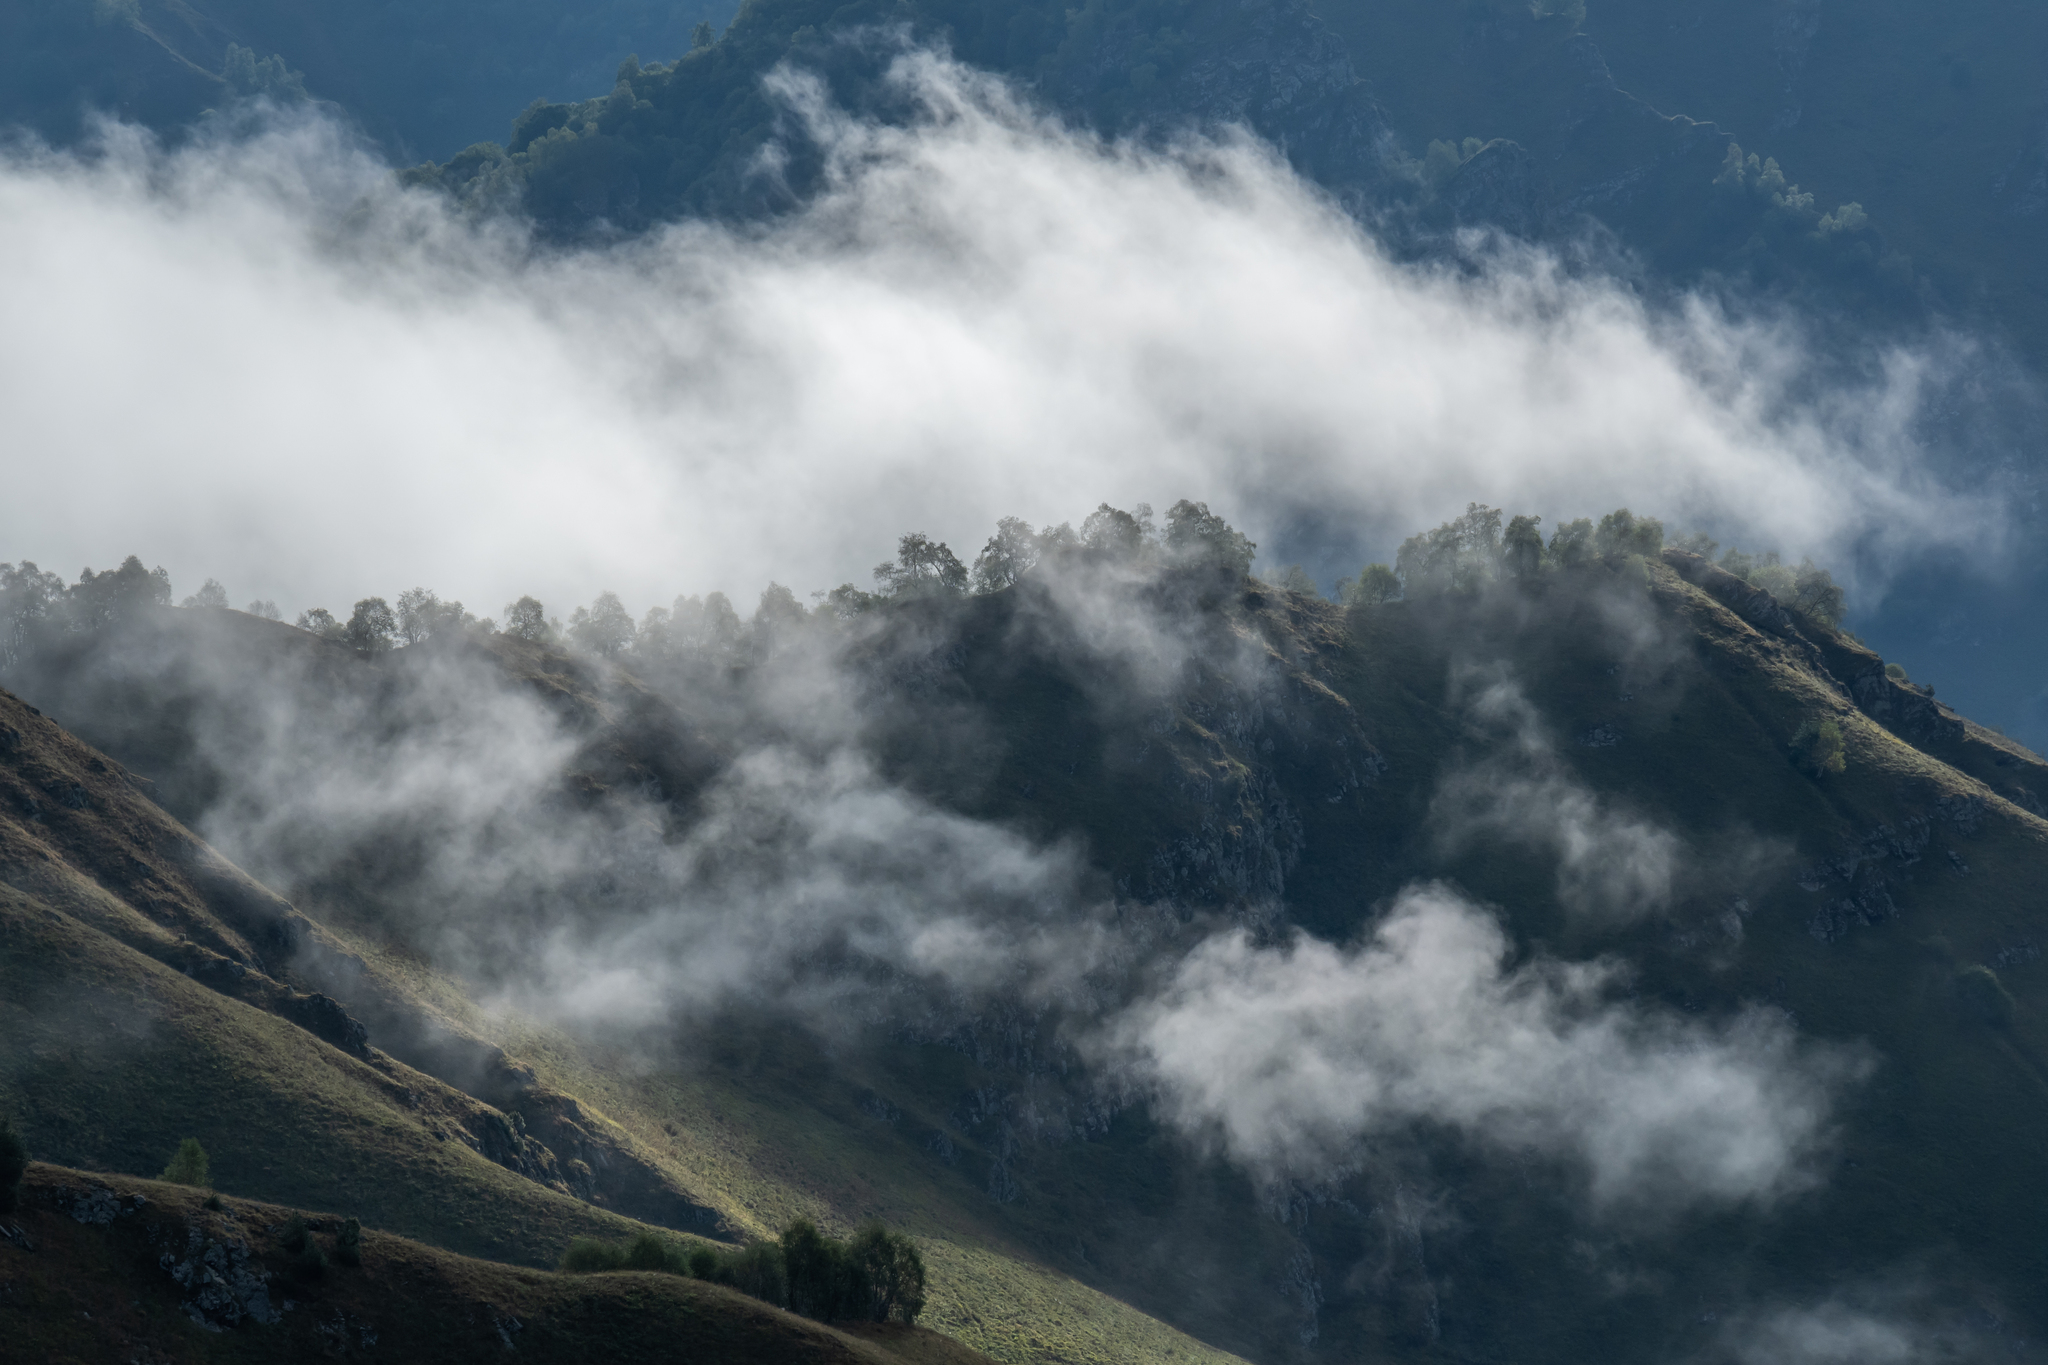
221 1287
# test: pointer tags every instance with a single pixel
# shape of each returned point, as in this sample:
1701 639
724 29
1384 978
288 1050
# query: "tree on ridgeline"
371 627
210 594
922 565
604 627
1009 555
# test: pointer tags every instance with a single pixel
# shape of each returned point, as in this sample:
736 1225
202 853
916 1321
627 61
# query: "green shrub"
893 1271
188 1167
348 1244
648 1252
13 1165
1896 672
878 1275
311 1263
1819 748
297 1236
588 1256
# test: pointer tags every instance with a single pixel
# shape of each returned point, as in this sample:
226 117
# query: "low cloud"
1612 865
1294 1058
314 385
1900 1331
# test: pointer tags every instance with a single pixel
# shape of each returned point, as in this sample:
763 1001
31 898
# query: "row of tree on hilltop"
1465 554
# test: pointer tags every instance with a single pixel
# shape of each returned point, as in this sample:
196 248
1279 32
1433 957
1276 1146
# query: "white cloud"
1612 864
1290 1058
255 359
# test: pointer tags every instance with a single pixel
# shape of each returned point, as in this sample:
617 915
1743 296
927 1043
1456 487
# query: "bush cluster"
876 1275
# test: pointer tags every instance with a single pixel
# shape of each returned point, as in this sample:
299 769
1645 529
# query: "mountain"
1685 957
420 81
102 1267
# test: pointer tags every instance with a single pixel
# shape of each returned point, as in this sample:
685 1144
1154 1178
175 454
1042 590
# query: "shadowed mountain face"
1615 963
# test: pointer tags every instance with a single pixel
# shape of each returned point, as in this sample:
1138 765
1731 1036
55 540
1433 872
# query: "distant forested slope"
425 80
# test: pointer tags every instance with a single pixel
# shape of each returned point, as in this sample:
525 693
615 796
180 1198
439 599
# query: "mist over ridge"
327 381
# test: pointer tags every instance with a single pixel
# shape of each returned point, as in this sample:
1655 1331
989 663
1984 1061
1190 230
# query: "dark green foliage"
1197 537
893 1271
822 1279
13 1164
1376 583
188 1166
1521 547
1621 532
876 1276
311 1262
1819 748
296 1236
372 627
348 1244
589 1256
527 619
1458 556
648 1252
922 565
213 1201
1571 544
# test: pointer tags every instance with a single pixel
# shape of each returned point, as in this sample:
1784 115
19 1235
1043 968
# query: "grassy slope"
81 1291
114 1056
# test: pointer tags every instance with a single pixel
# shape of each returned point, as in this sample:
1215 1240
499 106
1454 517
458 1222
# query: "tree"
527 619
1815 593
893 1271
820 1277
1459 555
604 627
778 607
846 601
1521 547
99 599
13 1165
1376 583
31 602
371 626
1571 544
188 1167
922 565
1113 533
1008 556
210 594
348 1243
1197 537
321 622
1820 748
418 611
1296 579
264 608
1621 532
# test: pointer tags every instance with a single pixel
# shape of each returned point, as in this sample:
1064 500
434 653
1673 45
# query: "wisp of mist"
254 357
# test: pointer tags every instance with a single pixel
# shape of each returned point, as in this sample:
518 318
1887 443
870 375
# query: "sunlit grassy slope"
1326 774
113 1056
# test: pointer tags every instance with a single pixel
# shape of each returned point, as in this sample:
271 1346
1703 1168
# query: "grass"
93 1292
